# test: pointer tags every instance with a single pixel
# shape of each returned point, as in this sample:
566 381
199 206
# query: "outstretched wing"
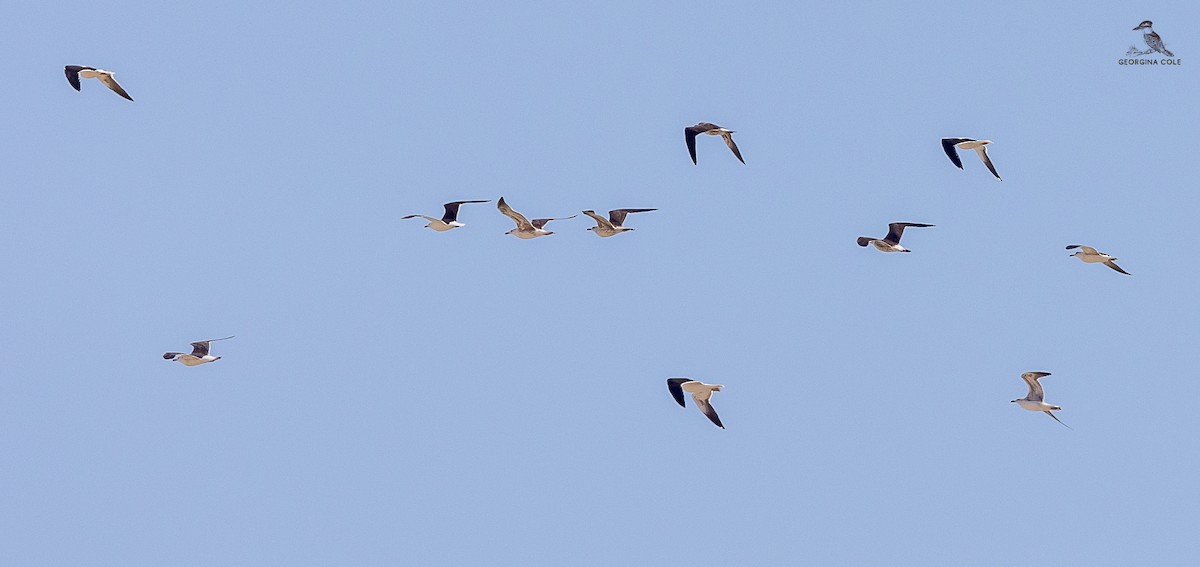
1114 266
111 83
72 72
864 240
200 348
1051 414
522 222
896 230
951 151
689 135
617 216
452 210
1035 388
539 223
600 221
729 142
707 409
406 217
982 150
1086 249
673 384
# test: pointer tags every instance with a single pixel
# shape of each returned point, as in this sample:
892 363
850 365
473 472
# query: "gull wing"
539 223
982 151
951 151
1113 265
170 355
707 409
430 219
617 216
522 222
200 348
864 240
1086 249
689 136
111 83
673 384
729 142
452 210
72 72
1051 414
1036 393
896 230
600 221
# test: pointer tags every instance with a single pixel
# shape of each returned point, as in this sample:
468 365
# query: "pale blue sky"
396 396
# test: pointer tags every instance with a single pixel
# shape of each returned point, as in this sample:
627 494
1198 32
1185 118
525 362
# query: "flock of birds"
526 229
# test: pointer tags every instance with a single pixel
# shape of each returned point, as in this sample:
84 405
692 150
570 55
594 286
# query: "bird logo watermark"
1154 45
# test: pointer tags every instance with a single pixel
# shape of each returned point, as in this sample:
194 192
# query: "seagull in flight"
891 242
526 229
700 392
1152 39
1091 256
75 71
952 145
199 353
448 220
689 134
1033 400
606 227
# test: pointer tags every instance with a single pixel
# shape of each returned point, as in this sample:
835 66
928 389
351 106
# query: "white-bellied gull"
689 135
1033 400
1091 256
526 229
448 220
199 353
75 71
952 145
700 392
891 242
606 227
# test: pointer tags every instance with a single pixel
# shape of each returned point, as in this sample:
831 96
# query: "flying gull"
526 229
606 227
1033 400
199 353
711 129
952 145
75 71
448 220
891 242
1091 256
700 392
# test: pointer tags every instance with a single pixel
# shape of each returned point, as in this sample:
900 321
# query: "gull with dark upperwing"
1091 256
526 229
891 242
198 356
74 72
448 220
700 392
690 133
952 145
1033 400
606 227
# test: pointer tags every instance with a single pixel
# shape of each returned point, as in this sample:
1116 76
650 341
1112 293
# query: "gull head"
1144 25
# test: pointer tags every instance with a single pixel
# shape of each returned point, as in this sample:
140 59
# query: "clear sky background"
399 396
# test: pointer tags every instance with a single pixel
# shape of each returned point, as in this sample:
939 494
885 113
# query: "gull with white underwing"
1091 256
1033 400
952 145
700 392
606 227
74 72
690 133
198 356
891 242
526 228
448 221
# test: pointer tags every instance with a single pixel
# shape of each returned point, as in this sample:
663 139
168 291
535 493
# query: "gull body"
1091 256
606 227
700 392
690 133
891 242
448 221
1152 39
198 356
74 72
1033 400
526 229
952 145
